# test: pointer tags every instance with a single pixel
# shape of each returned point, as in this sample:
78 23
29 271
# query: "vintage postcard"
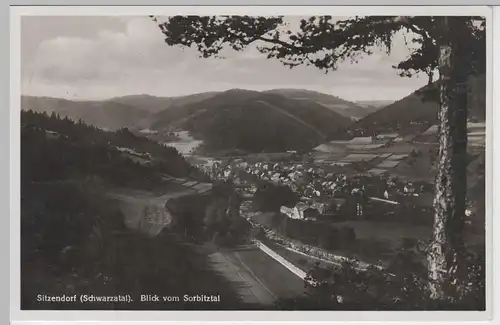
246 159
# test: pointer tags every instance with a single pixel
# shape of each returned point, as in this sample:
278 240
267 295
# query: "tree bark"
447 248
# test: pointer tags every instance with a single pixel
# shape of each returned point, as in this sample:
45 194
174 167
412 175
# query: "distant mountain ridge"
104 114
154 104
334 103
253 121
141 110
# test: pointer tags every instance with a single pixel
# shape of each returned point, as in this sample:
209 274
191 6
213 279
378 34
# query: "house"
323 207
330 207
291 213
51 134
243 165
297 212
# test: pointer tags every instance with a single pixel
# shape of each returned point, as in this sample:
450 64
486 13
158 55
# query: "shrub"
329 238
270 197
347 236
405 287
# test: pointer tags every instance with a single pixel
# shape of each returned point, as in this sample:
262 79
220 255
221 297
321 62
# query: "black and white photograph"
253 162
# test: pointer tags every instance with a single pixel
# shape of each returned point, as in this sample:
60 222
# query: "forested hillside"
421 107
256 122
58 148
74 239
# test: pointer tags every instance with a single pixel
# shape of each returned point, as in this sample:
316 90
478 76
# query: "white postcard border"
141 317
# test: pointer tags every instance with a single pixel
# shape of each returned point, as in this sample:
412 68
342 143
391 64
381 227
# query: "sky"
98 57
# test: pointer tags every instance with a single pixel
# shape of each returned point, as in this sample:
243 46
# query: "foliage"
402 286
322 235
213 217
323 41
270 197
222 219
75 242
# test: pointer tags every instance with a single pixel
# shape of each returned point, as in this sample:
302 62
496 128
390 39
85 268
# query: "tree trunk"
447 248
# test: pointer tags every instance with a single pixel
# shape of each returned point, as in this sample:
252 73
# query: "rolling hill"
255 122
413 110
336 104
275 120
155 104
104 114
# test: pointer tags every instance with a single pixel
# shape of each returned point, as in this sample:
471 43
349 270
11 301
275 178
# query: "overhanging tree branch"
323 43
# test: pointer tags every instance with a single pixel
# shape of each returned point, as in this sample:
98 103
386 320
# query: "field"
388 164
390 232
395 158
356 157
376 241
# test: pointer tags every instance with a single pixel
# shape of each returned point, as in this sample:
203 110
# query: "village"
370 184
359 170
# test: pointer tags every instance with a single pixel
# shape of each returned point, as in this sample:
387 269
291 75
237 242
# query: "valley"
166 168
